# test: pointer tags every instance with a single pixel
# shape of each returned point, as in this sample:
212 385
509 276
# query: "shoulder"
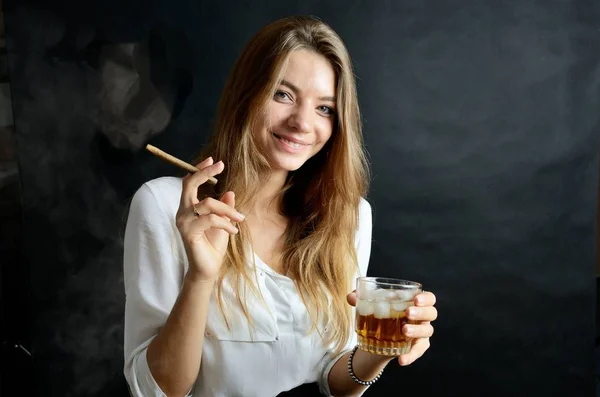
364 234
158 195
166 187
364 206
364 228
365 214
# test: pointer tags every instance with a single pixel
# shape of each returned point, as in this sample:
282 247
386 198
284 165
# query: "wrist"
372 360
193 277
366 368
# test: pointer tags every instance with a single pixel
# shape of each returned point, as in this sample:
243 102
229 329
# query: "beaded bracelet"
354 377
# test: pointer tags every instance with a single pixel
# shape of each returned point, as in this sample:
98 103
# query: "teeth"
292 144
295 145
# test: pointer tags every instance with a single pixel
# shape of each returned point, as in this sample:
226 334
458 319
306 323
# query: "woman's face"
300 117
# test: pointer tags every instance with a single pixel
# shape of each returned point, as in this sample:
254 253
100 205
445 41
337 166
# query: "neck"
268 201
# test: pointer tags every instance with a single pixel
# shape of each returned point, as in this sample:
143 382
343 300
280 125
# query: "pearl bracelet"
354 377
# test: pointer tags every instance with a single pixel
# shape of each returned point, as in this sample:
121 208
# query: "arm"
165 311
365 365
174 356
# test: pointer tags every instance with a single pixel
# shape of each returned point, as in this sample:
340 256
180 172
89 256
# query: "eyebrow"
297 90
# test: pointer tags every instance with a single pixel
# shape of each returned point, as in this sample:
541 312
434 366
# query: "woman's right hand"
205 237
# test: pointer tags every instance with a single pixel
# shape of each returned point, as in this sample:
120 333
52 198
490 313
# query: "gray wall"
481 119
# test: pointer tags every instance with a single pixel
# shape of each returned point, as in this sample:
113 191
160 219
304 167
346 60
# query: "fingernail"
241 216
409 330
412 312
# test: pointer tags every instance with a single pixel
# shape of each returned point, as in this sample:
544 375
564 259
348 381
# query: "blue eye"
281 94
327 110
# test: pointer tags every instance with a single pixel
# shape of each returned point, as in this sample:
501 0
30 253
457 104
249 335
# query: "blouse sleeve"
153 274
363 251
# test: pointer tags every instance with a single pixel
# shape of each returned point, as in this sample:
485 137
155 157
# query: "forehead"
311 72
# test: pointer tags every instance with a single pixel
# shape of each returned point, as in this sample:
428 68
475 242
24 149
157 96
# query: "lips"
291 141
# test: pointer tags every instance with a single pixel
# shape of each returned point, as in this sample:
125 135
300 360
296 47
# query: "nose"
300 120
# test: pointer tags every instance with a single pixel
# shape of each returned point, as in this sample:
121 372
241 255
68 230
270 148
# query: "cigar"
175 161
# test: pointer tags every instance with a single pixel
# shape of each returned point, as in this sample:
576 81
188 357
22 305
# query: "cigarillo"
175 161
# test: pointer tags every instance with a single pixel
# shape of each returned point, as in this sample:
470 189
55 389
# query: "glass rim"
393 282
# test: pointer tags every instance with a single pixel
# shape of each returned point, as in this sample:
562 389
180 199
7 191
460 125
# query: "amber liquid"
383 335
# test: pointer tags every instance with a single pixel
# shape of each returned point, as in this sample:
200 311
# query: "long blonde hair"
321 199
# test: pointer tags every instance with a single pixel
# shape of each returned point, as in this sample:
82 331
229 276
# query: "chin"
288 165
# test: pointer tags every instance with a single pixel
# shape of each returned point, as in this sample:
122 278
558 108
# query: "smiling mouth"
295 145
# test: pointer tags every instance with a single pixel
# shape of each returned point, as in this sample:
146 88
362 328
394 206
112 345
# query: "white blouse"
277 356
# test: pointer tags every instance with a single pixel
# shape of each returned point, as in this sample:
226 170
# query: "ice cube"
366 295
401 306
382 310
382 294
364 308
407 294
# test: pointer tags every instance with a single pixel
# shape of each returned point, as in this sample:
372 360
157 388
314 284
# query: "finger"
200 177
189 195
427 313
425 299
423 330
215 221
351 298
205 163
213 206
229 199
418 348
201 165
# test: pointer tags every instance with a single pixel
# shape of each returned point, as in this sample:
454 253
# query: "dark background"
482 122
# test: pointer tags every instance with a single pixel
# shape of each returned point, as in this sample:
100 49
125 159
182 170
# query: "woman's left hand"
422 314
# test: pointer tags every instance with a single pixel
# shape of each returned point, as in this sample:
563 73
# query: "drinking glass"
381 313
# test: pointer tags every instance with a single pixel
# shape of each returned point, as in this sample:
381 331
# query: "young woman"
245 288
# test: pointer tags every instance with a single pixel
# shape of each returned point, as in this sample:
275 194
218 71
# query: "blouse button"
277 338
207 333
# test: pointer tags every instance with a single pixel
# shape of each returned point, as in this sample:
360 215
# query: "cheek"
325 133
261 130
275 115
